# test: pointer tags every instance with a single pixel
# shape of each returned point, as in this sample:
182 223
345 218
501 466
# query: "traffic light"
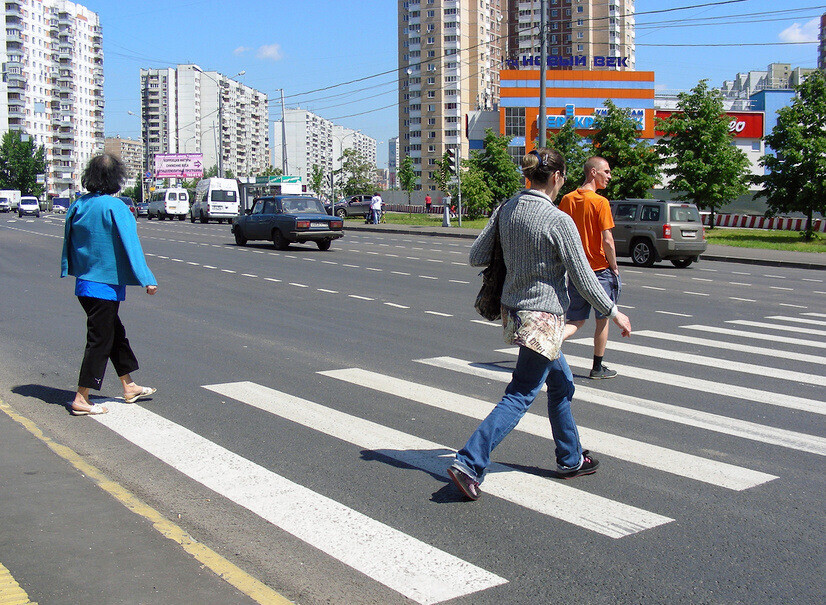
450 158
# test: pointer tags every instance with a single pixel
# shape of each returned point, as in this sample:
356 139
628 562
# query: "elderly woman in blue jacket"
102 251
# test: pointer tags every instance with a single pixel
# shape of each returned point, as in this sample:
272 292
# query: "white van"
168 203
215 199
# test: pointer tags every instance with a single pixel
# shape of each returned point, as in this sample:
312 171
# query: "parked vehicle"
129 204
9 199
286 219
215 199
654 230
356 205
140 208
168 203
61 204
29 205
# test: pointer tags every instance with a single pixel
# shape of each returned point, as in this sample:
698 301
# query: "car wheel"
324 244
204 220
642 254
681 263
279 241
181 217
191 218
240 239
341 213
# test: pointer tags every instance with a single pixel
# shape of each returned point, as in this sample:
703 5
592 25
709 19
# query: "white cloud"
271 52
801 33
241 50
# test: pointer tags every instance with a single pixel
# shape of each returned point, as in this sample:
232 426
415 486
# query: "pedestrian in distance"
428 203
102 251
375 208
592 215
542 250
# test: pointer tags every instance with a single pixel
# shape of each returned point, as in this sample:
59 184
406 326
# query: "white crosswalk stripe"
712 362
800 320
820 344
776 326
655 409
678 463
548 497
418 571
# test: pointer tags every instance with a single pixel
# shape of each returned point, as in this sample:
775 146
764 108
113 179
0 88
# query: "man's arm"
610 251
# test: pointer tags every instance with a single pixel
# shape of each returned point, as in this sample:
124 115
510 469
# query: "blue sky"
301 47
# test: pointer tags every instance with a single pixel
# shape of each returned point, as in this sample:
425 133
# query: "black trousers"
105 340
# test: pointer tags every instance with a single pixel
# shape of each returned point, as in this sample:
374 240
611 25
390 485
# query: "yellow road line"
226 570
10 591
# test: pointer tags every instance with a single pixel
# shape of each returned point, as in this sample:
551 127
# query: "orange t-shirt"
592 215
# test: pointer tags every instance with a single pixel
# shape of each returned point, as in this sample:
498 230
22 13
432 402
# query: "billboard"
179 165
741 124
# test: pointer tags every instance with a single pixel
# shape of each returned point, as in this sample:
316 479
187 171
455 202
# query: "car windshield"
303 206
684 214
223 196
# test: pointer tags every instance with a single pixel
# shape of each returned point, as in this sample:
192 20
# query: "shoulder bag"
489 300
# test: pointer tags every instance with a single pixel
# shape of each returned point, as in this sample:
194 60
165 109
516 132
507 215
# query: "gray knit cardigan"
540 244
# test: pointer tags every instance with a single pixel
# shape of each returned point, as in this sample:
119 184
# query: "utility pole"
283 136
543 59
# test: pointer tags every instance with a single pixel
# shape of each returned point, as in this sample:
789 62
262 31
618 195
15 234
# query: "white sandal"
92 411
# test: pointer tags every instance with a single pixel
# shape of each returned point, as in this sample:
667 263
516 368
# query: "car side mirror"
248 211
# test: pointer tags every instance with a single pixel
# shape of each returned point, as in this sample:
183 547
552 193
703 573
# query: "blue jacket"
100 243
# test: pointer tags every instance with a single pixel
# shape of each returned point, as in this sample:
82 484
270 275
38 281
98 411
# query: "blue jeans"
376 215
532 371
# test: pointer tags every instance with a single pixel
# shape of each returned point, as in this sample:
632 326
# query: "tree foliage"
495 167
20 163
317 179
407 176
355 175
574 150
796 178
635 165
477 198
697 150
443 175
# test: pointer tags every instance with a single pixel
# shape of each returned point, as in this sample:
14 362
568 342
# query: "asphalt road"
308 403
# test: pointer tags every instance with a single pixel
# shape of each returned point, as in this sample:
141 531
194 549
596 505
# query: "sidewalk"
71 536
753 256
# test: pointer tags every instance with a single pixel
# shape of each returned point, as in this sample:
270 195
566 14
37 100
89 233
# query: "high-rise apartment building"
393 161
450 54
188 110
582 34
316 141
52 85
128 151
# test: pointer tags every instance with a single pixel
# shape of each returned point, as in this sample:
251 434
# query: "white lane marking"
801 320
552 498
760 324
399 273
645 454
694 293
731 346
389 304
419 571
209 267
819 281
738 283
191 263
793 306
458 281
495 324
712 362
373 269
776 276
439 314
298 285
327 291
654 288
350 266
655 409
673 313
779 288
742 299
701 279
740 273
428 277
248 275
758 336
356 296
272 279
815 314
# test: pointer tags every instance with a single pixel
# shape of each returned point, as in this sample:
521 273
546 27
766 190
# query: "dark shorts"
580 309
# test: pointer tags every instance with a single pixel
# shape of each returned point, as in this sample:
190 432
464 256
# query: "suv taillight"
666 231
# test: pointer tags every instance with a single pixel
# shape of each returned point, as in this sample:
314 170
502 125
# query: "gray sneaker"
468 486
602 373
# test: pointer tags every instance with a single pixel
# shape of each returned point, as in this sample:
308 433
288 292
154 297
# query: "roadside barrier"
749 221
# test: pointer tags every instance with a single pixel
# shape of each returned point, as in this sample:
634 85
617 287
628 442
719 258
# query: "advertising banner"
179 165
742 124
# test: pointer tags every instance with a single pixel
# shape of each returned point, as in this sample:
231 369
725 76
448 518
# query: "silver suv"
653 230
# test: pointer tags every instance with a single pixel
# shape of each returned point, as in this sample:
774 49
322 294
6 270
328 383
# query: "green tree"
20 163
477 198
356 175
407 176
211 171
317 179
698 154
271 171
635 165
496 167
444 176
135 192
796 178
574 150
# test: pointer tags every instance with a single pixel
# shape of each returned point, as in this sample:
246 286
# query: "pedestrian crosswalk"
427 574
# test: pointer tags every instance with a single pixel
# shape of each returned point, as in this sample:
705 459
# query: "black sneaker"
602 373
589 467
468 486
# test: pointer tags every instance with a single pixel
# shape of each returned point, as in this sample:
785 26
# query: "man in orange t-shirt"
592 215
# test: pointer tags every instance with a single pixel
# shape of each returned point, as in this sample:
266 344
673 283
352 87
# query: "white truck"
9 200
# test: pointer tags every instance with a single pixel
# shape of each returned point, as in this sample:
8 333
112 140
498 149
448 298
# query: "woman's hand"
621 319
151 290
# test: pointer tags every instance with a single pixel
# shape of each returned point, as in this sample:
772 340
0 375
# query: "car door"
252 224
625 215
270 218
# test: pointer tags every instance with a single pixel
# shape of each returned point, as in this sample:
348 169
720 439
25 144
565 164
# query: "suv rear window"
650 213
684 214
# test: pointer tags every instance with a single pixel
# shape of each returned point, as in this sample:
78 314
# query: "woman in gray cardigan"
540 245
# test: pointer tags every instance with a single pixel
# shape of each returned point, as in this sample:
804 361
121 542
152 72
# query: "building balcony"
14 35
16 111
16 82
